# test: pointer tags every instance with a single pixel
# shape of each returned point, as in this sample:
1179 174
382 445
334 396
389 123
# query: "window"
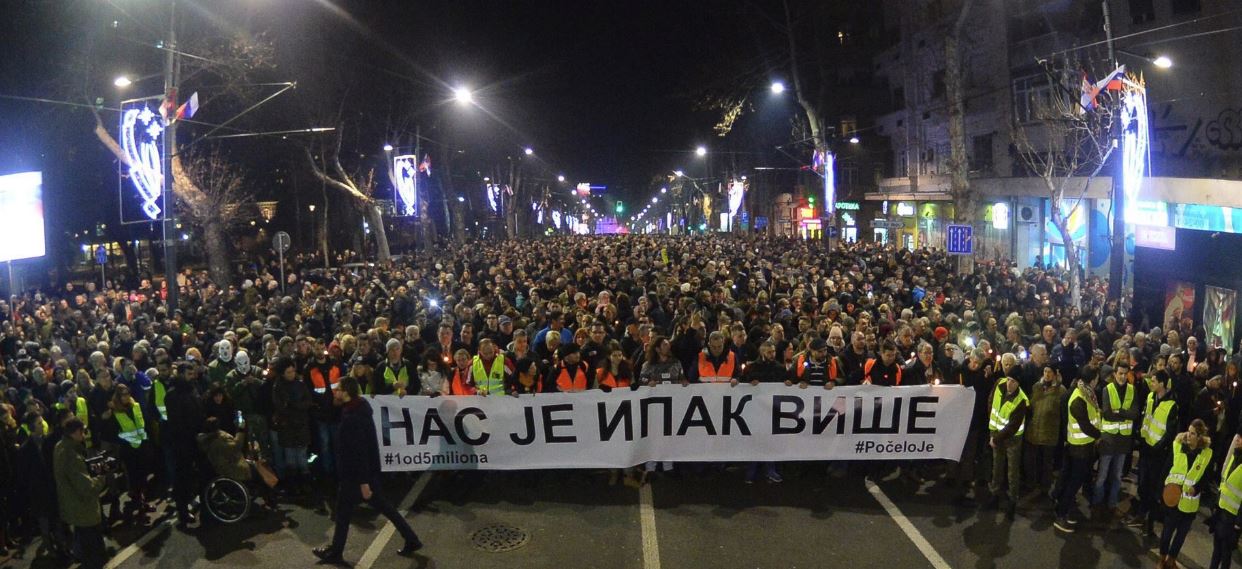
981 153
1142 11
1032 95
1182 7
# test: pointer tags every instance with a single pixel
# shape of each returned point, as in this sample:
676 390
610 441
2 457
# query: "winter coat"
358 460
1047 403
77 490
291 403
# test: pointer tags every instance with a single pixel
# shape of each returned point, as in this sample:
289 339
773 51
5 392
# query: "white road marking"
651 543
911 532
123 555
373 551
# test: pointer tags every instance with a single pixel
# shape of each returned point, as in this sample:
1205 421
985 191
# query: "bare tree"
220 202
358 186
1066 146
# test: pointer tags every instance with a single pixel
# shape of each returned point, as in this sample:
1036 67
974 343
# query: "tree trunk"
323 237
375 218
459 222
959 165
216 244
1071 255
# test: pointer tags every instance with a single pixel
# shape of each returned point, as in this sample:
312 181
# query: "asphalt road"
704 519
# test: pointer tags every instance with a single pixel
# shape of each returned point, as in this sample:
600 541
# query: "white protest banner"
594 429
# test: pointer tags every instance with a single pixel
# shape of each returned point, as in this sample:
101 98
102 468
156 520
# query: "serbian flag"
1110 82
188 108
425 165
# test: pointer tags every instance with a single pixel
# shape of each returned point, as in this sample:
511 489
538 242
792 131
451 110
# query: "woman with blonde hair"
1192 453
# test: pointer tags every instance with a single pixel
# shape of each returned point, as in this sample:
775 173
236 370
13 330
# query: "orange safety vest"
723 374
607 379
321 384
870 363
462 383
566 383
832 367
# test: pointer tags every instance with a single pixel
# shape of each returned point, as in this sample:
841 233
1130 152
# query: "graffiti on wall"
1225 132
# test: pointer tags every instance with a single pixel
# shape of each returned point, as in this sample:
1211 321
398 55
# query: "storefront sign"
1155 237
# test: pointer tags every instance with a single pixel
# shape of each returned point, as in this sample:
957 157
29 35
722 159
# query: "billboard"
21 216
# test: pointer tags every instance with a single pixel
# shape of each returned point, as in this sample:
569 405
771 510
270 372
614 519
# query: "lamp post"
171 70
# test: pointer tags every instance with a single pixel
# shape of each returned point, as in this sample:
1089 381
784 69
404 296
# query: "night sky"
604 92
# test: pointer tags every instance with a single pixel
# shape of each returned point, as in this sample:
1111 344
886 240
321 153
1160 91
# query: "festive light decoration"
1135 137
493 197
556 219
405 170
143 145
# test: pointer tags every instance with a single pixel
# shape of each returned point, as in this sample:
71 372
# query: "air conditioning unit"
1026 214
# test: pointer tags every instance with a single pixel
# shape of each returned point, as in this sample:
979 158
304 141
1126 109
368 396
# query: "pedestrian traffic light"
620 207
811 200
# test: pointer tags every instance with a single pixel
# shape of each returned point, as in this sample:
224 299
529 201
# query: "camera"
103 464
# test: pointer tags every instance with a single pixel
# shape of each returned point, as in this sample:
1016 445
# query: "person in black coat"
358 469
185 420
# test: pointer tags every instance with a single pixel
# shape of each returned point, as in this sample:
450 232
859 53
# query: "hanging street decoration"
405 169
1135 137
142 141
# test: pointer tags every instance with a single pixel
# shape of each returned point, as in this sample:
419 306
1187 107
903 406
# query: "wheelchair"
226 500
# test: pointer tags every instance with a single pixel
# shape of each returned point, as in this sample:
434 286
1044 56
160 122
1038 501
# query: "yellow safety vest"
133 430
391 379
160 393
1156 422
1231 488
487 381
1074 433
1121 426
1187 477
1001 412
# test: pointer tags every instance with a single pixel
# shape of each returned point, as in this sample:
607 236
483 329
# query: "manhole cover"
499 538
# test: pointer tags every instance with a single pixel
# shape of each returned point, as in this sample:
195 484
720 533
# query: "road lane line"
651 543
123 555
373 551
911 532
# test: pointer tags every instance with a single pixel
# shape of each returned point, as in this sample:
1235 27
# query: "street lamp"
1163 62
778 87
529 151
463 95
700 151
122 81
853 140
560 178
678 173
387 148
664 190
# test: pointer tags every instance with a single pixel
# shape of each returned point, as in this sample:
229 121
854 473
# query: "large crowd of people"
245 376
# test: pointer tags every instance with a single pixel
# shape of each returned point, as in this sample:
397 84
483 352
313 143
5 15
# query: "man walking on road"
358 469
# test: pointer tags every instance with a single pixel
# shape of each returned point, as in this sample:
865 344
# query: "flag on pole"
188 108
1110 82
425 165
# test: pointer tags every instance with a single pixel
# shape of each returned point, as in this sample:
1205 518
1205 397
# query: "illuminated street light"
529 151
778 87
664 190
853 140
679 173
122 81
1163 62
463 95
655 199
700 151
387 148
560 178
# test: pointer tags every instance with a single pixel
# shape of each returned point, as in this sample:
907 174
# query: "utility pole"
1117 254
170 148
